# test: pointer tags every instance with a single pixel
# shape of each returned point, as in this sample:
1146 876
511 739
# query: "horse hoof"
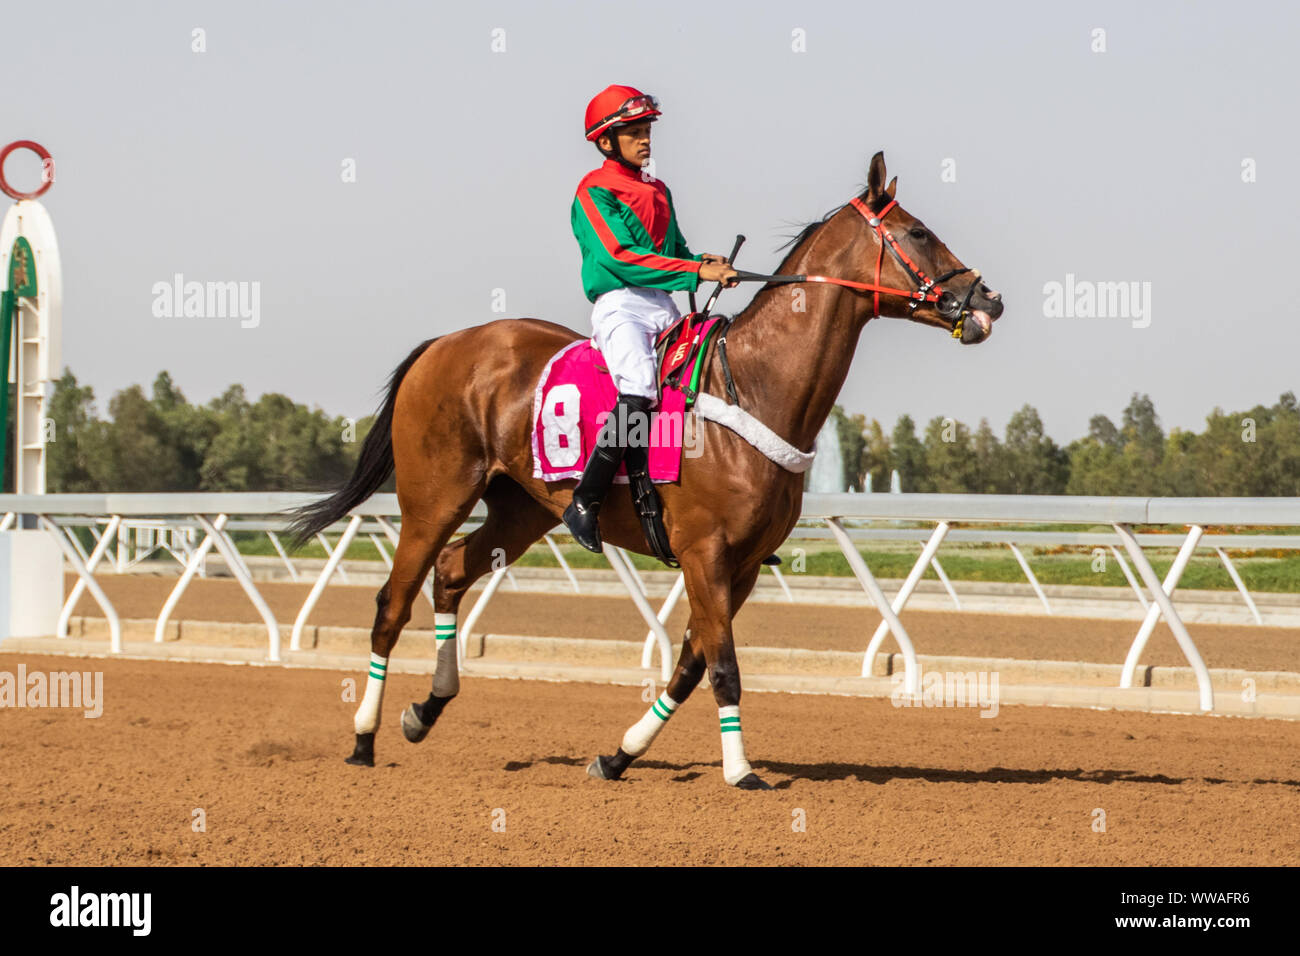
363 755
414 729
752 781
602 769
610 768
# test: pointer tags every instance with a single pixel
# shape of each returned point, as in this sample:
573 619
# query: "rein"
928 290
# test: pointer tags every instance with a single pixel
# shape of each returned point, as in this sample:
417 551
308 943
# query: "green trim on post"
22 269
7 303
21 281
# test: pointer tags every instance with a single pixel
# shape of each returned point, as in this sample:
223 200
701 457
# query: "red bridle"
928 289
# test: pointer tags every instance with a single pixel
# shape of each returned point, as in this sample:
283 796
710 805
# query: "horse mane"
806 232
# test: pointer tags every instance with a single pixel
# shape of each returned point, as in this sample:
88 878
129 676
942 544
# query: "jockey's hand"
718 272
710 257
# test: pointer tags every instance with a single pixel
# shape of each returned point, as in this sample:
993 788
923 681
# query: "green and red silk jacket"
627 231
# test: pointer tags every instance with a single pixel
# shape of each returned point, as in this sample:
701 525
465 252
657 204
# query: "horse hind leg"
420 540
514 521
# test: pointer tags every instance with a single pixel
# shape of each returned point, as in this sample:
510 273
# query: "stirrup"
649 508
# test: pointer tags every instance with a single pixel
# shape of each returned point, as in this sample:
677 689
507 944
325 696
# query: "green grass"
1203 573
961 562
979 563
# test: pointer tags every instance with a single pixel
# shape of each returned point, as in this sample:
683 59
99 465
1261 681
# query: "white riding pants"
624 325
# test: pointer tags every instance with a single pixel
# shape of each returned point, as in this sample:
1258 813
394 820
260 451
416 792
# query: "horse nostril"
991 295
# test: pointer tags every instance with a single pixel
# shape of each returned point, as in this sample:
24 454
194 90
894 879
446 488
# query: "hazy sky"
226 165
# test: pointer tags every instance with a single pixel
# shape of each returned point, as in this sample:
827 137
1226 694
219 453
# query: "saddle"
681 348
684 347
576 386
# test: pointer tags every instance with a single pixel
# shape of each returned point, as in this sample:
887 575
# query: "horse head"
931 285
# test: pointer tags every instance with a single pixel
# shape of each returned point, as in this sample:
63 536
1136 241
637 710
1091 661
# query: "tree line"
161 442
1255 453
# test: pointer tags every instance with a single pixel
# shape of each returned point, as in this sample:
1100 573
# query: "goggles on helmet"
630 110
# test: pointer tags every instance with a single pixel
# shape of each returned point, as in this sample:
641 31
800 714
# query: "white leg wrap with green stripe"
367 719
446 674
734 765
642 734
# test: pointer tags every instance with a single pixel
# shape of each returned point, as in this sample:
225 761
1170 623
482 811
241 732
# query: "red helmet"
617 105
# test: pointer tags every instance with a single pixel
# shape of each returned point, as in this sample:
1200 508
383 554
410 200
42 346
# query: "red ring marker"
40 151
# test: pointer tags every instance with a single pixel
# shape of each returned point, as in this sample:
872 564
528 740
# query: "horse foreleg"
718 601
709 644
639 737
724 674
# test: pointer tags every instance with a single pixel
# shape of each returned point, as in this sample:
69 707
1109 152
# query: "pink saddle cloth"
574 397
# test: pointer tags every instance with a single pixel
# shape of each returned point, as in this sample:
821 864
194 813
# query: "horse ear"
876 176
892 187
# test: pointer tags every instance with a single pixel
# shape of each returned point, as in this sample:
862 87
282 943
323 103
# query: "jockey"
633 255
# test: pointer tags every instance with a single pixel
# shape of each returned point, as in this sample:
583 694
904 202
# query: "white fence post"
1161 594
912 672
74 559
1241 585
332 562
1024 566
78 589
227 549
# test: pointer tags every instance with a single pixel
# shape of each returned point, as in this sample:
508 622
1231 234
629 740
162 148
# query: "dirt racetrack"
259 750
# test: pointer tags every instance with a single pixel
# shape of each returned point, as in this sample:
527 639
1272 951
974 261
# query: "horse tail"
374 466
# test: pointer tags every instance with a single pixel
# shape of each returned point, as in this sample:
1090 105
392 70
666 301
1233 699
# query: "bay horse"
456 427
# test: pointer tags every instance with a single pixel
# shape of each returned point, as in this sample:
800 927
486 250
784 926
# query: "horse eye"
919 234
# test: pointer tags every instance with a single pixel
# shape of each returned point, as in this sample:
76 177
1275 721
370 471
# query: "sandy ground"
259 750
816 627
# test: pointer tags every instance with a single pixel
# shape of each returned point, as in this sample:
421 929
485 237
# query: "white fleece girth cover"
714 409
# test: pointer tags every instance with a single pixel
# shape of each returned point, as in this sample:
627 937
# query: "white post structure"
1128 576
1161 594
1029 573
636 588
1241 585
559 556
911 671
91 561
29 251
952 592
909 585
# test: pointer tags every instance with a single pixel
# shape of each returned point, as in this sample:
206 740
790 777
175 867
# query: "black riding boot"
628 419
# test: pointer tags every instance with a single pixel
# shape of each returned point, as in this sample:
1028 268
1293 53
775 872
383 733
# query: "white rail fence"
141 524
